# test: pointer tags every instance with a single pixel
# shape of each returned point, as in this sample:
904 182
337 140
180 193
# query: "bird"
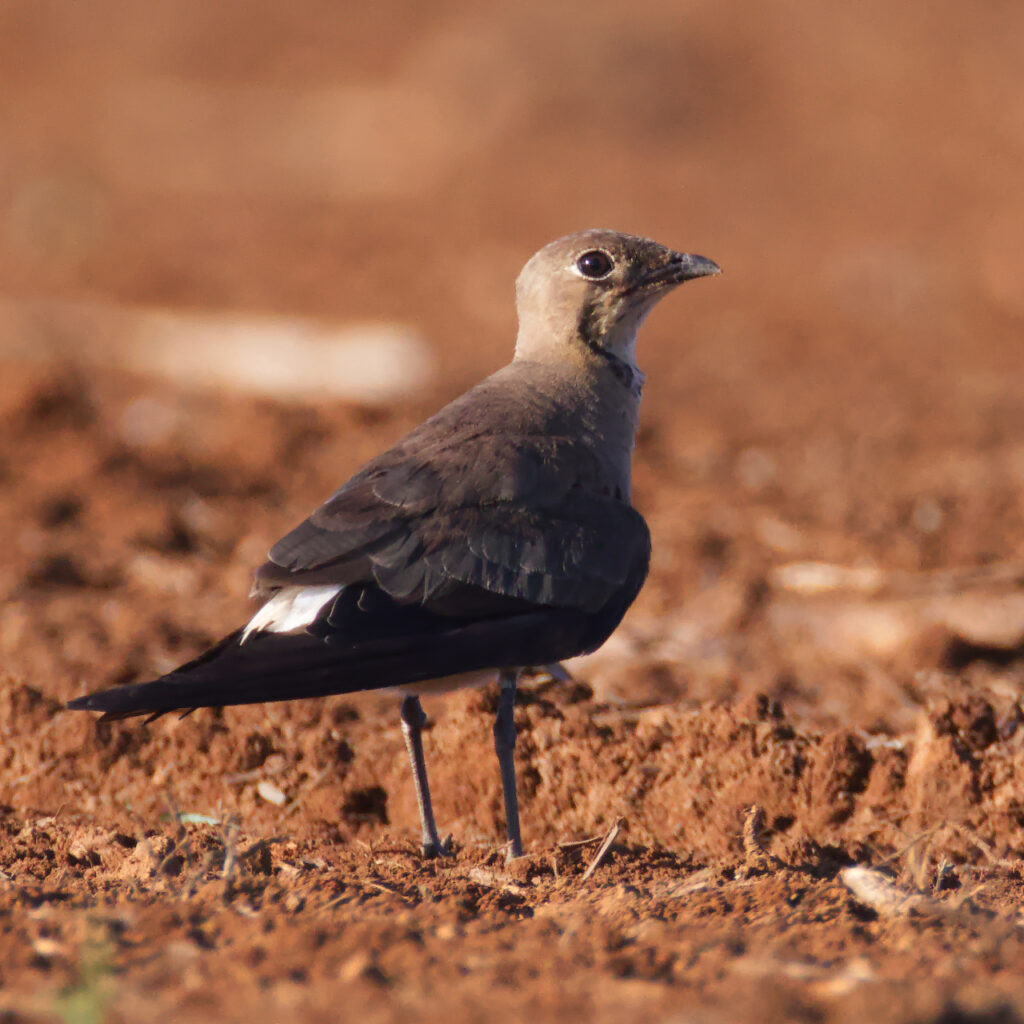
498 535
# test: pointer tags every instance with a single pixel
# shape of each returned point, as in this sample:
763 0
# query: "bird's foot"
558 672
433 848
513 851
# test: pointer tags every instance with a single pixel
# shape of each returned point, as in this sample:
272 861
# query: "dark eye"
595 264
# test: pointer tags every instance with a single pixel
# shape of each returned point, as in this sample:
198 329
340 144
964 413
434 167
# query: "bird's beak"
681 266
693 266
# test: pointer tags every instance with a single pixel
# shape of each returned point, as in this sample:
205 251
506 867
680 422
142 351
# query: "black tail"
278 666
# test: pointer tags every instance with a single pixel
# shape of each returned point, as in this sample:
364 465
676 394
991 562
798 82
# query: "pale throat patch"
619 343
620 340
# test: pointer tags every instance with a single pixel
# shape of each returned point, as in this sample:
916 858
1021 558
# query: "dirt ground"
804 743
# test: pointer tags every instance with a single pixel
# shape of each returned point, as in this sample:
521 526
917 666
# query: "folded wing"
465 554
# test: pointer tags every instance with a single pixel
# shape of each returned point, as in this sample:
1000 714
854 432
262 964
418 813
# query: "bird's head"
591 291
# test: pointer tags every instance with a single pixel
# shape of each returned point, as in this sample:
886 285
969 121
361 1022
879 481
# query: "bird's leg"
504 746
413 719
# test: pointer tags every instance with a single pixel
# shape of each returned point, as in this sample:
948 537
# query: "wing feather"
521 528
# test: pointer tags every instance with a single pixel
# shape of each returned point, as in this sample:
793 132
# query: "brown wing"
501 514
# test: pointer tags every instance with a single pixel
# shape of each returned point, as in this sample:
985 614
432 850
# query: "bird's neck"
616 389
589 354
621 367
606 407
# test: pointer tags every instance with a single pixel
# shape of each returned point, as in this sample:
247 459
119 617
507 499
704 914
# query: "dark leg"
412 729
504 746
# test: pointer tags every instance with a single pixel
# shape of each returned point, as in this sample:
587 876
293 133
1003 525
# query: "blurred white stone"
847 630
808 578
283 357
992 619
271 793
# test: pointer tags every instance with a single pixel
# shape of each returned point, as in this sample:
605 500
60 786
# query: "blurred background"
244 246
855 168
312 202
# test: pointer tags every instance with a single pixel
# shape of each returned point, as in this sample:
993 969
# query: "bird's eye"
595 264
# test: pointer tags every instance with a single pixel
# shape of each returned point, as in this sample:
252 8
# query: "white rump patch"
291 609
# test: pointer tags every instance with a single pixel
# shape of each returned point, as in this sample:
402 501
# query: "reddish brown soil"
848 393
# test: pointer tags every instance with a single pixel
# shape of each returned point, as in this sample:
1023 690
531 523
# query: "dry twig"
578 844
602 850
884 896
